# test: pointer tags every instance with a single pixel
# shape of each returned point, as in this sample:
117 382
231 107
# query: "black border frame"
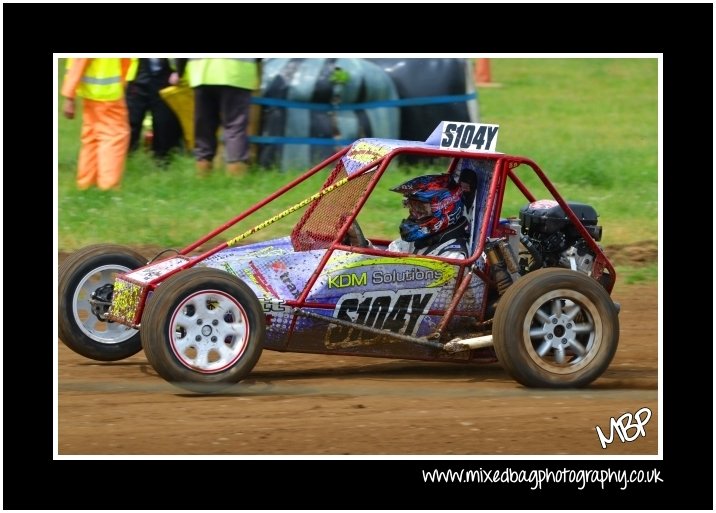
33 480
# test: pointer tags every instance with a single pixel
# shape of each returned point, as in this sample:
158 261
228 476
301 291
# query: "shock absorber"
503 267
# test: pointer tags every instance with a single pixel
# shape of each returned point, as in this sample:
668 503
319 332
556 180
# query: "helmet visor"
418 209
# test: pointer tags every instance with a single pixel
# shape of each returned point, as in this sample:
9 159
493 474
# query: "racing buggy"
533 292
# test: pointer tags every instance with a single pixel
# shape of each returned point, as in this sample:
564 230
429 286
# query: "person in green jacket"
222 96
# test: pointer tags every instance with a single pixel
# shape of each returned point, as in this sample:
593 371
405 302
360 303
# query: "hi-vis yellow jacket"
100 79
241 73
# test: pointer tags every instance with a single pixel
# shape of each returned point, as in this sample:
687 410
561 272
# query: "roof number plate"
468 136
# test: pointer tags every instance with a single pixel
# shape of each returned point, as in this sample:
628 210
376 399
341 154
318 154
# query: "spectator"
150 77
222 95
105 123
435 224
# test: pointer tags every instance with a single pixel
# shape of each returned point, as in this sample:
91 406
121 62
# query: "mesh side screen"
337 174
325 217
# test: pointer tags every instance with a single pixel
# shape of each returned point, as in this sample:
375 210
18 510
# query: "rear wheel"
91 271
555 328
203 329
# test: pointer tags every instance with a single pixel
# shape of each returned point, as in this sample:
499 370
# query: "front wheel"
555 328
91 271
203 329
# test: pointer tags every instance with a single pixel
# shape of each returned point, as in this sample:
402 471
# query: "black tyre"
555 328
203 330
80 275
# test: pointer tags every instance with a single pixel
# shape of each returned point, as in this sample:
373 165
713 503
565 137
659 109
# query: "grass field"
591 124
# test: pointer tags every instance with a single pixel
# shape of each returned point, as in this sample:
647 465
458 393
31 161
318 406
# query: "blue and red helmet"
435 204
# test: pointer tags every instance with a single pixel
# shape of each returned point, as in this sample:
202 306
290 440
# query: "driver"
435 225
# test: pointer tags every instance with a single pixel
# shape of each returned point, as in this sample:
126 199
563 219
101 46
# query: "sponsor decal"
365 152
280 267
257 277
340 281
398 276
543 203
239 253
148 273
440 272
293 290
399 312
229 269
272 304
266 252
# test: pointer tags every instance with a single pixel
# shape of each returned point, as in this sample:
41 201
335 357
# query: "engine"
551 238
548 239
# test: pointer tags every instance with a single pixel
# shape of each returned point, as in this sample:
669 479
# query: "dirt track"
328 405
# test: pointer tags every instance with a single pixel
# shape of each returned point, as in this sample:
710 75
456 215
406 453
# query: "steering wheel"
354 236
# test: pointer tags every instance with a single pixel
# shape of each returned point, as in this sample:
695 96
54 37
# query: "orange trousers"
105 142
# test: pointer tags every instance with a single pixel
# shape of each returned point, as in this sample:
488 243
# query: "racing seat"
476 173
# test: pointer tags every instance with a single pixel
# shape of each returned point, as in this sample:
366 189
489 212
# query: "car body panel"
403 294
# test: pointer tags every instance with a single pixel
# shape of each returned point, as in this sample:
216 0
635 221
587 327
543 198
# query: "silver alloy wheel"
100 331
209 331
564 330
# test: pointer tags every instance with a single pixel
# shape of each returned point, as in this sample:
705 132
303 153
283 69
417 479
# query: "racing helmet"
434 203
